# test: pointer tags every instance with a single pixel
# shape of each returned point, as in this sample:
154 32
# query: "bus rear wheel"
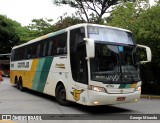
20 85
61 95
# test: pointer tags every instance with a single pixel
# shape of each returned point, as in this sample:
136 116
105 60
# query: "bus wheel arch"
16 80
60 94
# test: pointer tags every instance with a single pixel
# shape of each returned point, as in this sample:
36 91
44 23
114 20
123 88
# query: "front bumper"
100 98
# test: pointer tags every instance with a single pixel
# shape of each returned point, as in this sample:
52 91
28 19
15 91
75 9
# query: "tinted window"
57 44
19 53
78 55
48 47
34 50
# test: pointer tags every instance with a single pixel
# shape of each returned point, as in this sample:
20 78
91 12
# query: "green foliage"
97 7
40 27
149 31
26 34
126 15
67 21
8 34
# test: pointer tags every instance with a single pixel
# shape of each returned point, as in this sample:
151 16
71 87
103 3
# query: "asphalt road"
12 101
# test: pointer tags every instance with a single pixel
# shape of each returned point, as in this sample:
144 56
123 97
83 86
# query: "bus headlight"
96 88
138 88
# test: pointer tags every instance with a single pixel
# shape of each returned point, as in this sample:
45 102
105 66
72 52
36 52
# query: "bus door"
79 68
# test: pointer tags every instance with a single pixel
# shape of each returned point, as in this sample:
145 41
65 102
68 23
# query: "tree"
97 7
67 21
40 27
127 14
8 34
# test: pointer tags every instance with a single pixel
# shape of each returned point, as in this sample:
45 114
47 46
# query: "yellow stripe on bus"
133 85
30 74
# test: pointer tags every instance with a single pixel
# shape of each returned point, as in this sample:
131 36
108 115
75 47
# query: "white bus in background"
88 64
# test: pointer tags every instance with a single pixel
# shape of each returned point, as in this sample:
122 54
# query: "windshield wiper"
130 74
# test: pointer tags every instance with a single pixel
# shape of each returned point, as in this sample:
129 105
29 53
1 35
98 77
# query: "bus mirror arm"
90 48
148 52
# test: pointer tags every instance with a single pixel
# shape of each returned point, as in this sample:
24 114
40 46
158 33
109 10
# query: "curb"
150 96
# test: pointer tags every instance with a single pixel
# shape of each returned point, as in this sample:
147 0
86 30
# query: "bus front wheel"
61 95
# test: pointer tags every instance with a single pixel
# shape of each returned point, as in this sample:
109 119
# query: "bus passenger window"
53 50
46 48
50 48
34 51
41 49
28 52
38 50
44 51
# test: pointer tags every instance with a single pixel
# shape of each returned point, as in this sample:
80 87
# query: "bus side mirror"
90 48
148 53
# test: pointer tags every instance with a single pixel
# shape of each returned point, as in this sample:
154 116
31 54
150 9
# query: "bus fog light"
136 100
96 103
138 88
98 89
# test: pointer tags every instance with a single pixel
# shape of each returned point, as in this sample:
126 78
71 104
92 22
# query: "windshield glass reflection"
114 64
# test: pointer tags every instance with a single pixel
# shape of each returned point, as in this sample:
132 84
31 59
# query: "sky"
23 11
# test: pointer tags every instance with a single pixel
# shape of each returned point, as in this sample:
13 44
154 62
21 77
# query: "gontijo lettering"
23 65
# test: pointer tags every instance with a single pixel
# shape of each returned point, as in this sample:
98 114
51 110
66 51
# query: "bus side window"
46 48
20 54
29 52
50 48
78 64
57 44
41 49
38 50
61 46
34 51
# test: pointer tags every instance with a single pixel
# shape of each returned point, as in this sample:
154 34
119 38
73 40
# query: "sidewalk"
150 96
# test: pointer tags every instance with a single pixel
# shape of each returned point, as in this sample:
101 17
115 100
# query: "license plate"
121 98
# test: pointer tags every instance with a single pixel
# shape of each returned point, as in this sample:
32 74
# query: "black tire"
21 88
17 85
61 95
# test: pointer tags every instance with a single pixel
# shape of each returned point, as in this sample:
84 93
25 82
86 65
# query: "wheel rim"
62 94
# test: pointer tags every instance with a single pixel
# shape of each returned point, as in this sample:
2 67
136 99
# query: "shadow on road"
104 109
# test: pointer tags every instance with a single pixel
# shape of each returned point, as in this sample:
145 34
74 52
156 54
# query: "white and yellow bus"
88 64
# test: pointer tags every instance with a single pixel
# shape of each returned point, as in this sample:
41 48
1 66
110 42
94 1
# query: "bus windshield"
114 64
